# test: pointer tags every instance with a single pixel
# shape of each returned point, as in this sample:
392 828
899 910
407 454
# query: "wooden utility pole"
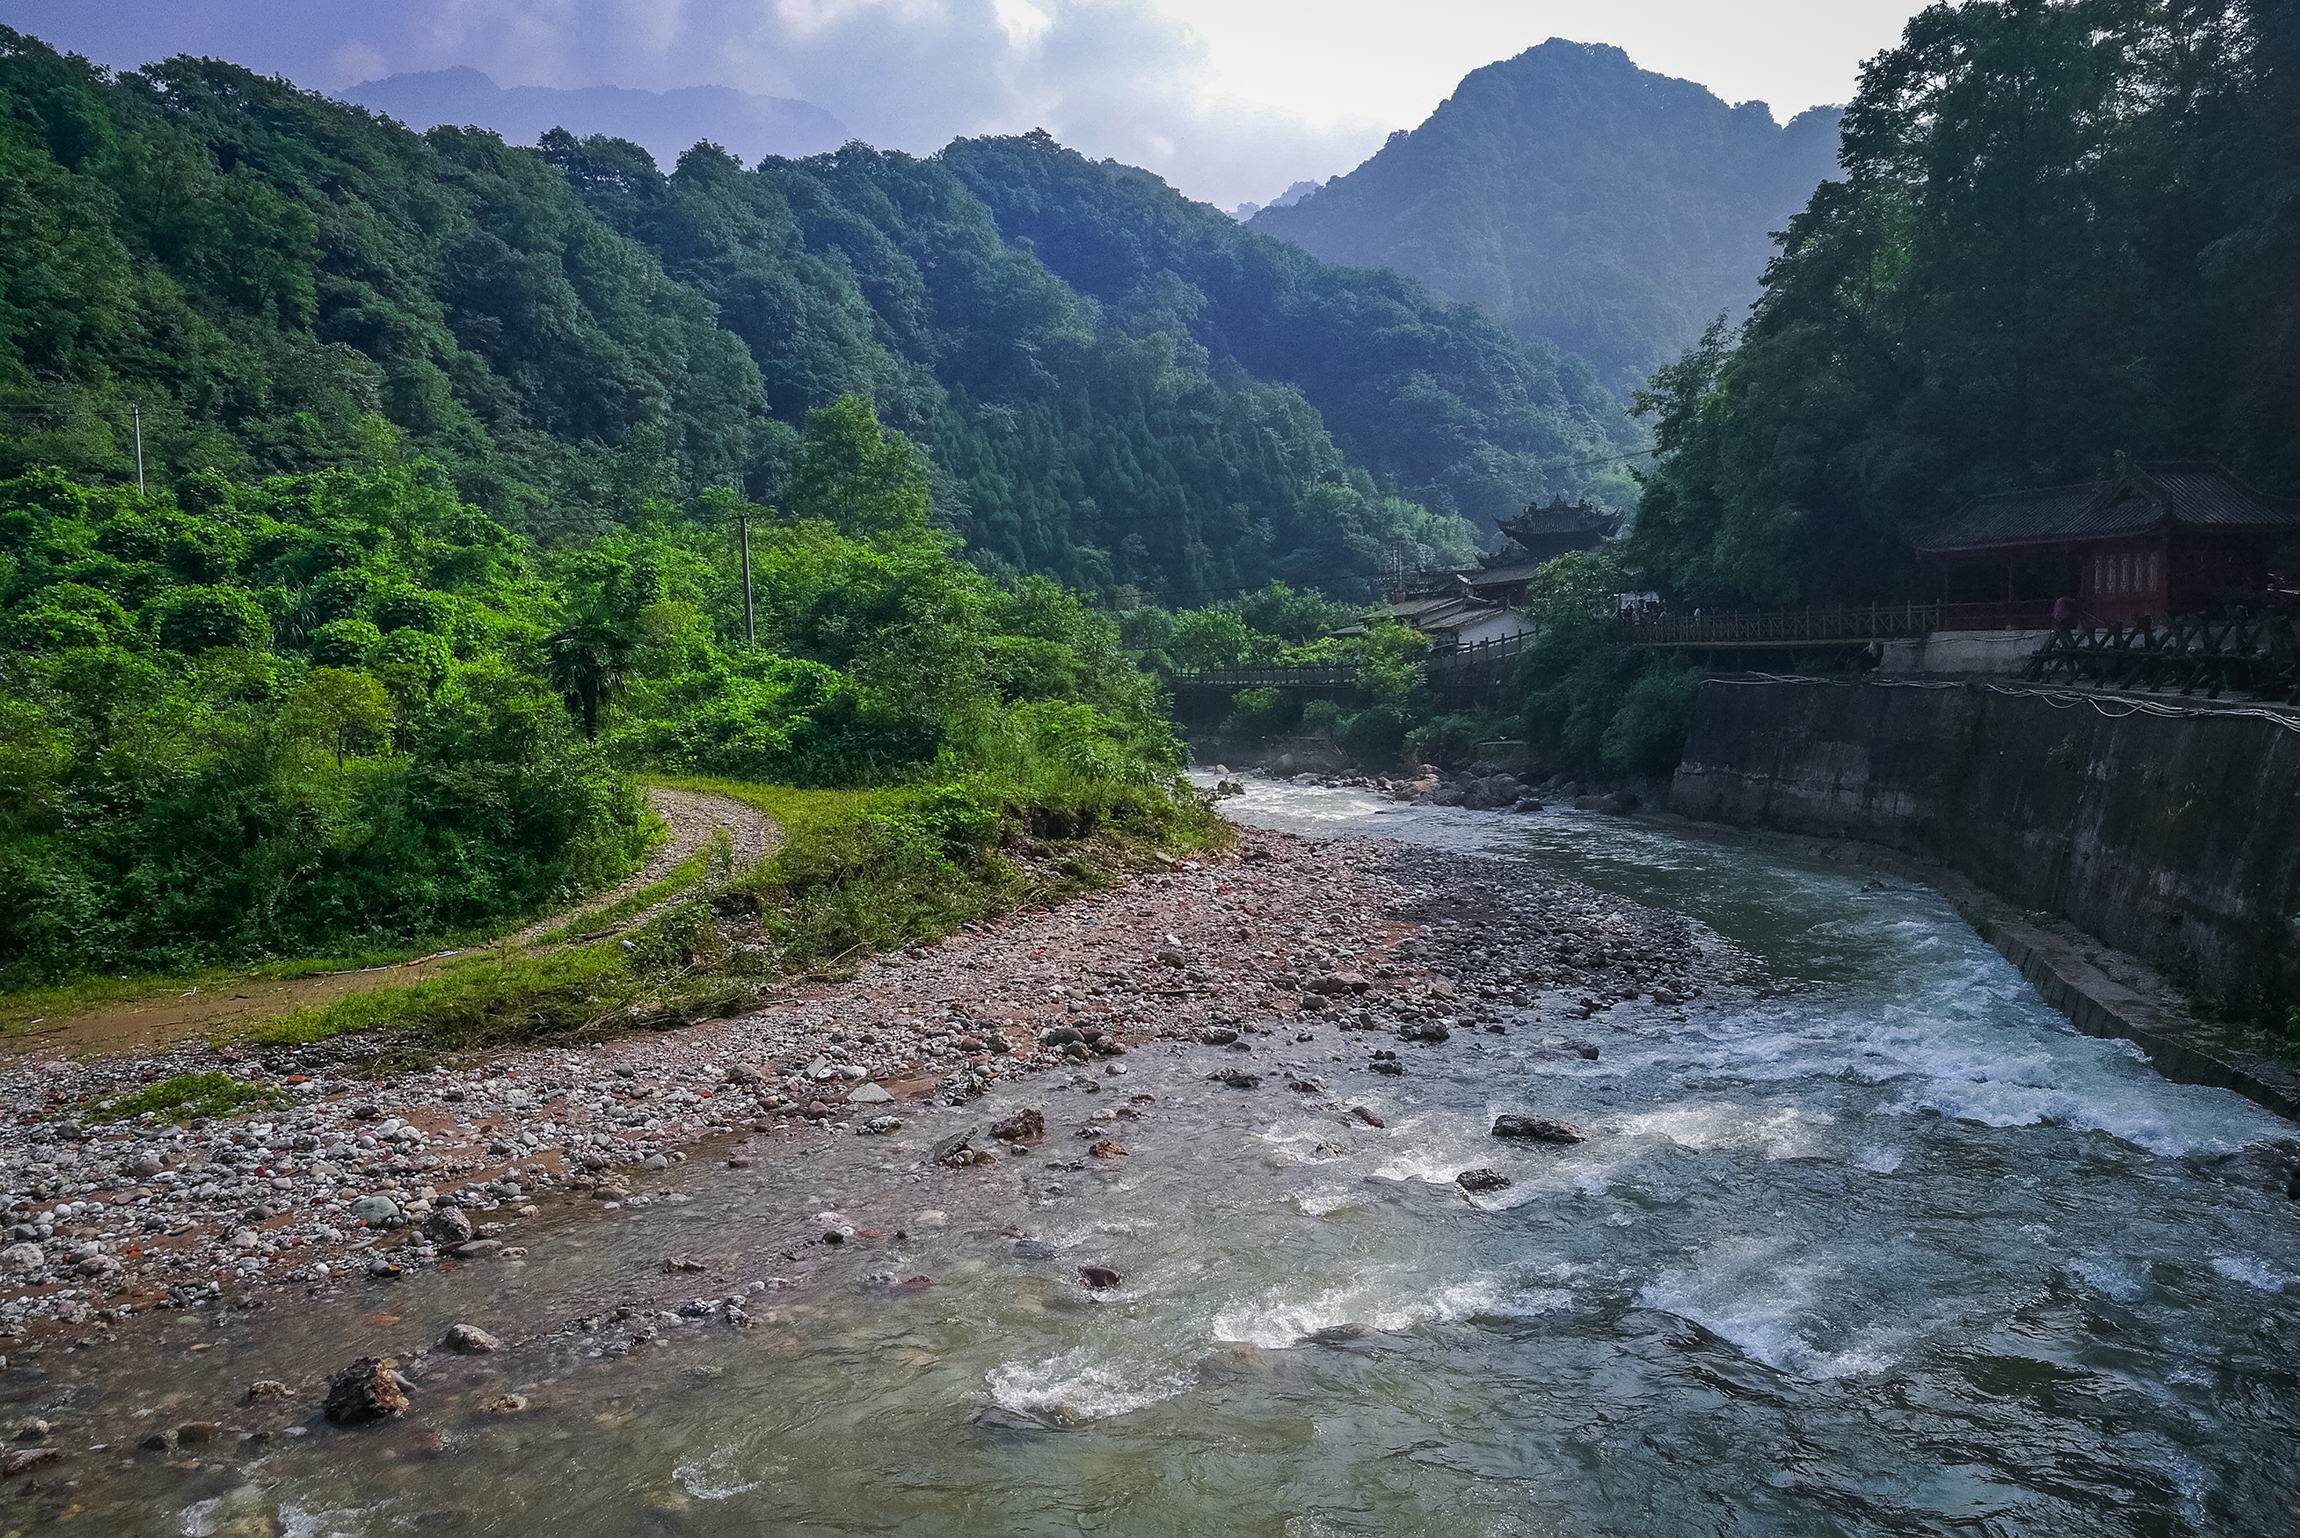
138 412
750 618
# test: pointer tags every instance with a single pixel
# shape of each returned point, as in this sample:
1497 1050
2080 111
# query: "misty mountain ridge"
1286 199
1585 202
665 123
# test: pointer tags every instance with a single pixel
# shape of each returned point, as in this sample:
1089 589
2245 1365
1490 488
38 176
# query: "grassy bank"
859 872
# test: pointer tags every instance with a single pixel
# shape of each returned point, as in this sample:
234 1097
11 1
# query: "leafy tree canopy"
2066 228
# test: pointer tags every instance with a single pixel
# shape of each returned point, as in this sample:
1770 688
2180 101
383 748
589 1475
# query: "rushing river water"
1886 1248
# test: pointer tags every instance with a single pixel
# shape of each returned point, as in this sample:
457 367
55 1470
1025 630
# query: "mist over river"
1870 1241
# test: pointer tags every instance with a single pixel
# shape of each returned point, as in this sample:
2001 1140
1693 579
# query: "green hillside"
1588 204
575 333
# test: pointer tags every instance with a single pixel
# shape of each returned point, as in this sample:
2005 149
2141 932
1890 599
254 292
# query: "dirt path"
694 817
159 1021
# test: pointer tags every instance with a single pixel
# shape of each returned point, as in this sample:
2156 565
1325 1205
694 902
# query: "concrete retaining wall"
2176 840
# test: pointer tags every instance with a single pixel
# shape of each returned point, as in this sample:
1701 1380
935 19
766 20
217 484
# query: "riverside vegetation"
344 712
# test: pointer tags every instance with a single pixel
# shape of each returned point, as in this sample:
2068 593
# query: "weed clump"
190 1094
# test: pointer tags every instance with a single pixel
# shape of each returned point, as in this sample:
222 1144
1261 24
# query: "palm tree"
585 659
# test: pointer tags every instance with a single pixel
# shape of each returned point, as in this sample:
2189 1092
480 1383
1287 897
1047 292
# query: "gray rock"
868 1094
1481 1179
469 1339
881 1126
1538 1129
19 1258
374 1211
449 1225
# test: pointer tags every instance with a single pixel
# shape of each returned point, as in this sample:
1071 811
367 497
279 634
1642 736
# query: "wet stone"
469 1339
1537 1129
448 1225
1024 1126
366 1391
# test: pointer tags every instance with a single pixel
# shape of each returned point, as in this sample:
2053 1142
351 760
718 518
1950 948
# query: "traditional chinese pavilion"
2152 541
1541 534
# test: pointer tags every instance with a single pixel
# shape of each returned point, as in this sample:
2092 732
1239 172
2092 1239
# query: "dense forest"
572 333
344 707
2066 228
1586 203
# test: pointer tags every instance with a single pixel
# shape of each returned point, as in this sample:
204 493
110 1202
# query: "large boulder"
366 1391
1537 1129
448 1225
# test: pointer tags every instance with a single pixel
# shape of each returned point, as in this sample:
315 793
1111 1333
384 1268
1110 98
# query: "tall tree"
2047 249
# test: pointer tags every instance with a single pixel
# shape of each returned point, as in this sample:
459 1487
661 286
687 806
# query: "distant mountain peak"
664 123
1286 199
1585 202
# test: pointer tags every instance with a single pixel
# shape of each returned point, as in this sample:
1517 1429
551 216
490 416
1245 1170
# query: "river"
1881 1245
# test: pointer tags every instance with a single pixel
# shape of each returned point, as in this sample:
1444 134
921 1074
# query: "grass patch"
520 998
24 1009
718 854
860 871
188 1095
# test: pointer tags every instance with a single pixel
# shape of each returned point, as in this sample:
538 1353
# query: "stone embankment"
2137 859
347 1178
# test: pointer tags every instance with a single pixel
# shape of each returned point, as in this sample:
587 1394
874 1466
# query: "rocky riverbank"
1289 942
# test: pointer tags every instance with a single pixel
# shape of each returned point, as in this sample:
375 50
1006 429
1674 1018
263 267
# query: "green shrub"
198 619
187 1095
1263 712
1647 732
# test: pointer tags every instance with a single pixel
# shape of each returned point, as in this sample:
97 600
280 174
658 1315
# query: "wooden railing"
2237 653
1481 662
1802 627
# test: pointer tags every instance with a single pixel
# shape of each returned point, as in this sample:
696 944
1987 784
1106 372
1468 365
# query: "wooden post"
750 616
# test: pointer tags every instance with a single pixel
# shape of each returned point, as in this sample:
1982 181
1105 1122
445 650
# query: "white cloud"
1230 99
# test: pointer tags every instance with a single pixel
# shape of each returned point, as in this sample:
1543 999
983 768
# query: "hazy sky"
1228 99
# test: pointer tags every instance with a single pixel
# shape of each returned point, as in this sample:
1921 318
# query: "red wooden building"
2153 540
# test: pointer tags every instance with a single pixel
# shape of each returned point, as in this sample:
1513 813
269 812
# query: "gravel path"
694 817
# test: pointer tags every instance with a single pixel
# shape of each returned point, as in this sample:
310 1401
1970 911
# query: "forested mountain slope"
1583 201
1432 396
573 333
2067 228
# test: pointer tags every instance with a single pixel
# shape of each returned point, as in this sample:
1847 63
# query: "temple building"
1541 534
1469 608
2152 541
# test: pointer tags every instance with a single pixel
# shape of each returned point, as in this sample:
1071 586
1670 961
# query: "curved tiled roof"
2140 499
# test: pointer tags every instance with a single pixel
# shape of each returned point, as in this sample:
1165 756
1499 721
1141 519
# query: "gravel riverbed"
1287 948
